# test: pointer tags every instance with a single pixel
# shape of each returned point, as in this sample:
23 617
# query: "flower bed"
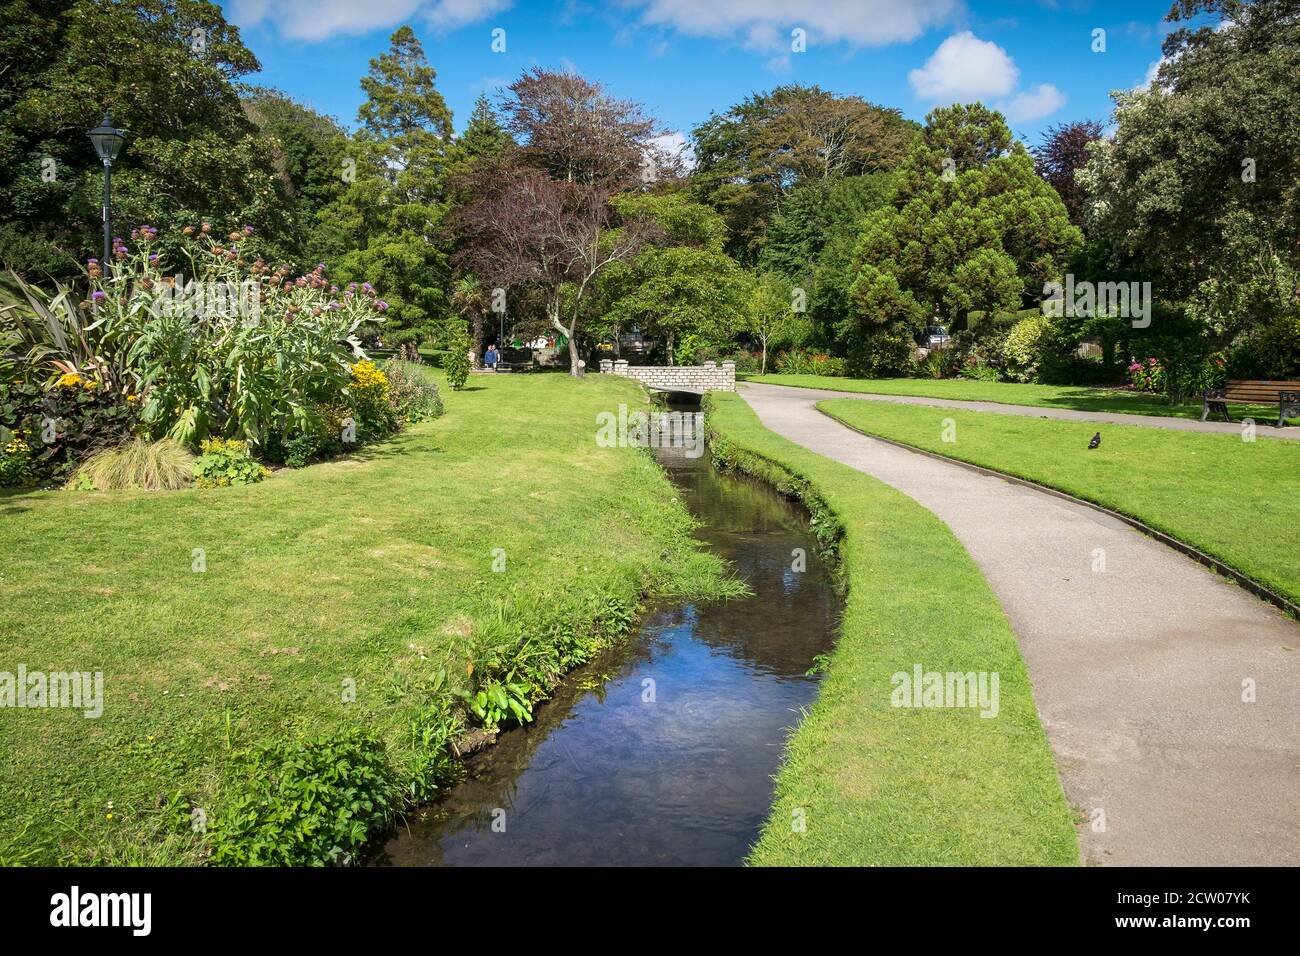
224 347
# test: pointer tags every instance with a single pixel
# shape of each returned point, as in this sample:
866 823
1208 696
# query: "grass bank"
1227 497
876 784
1076 397
281 661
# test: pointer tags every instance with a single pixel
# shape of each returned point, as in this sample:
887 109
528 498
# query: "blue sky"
683 59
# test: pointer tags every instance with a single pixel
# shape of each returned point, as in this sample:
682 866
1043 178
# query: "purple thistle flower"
381 305
248 230
98 296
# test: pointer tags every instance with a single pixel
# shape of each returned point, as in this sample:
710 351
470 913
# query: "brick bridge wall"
709 377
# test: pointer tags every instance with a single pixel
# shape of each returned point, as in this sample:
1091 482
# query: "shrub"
225 462
15 460
455 361
1272 353
375 416
307 802
64 422
748 363
1023 347
883 353
1148 376
164 465
413 396
1187 366
805 362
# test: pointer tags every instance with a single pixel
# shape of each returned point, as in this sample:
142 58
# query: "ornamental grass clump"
163 465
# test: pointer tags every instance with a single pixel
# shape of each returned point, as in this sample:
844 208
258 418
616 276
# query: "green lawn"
376 569
1078 397
1232 499
883 785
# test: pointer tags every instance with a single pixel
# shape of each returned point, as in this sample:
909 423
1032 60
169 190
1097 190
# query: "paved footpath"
1137 672
1264 427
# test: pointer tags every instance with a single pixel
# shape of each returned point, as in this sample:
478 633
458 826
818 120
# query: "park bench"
1285 394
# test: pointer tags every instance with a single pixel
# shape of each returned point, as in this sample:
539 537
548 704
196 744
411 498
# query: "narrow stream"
662 751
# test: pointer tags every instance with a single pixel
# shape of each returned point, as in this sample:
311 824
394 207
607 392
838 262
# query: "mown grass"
376 569
1230 498
875 784
1077 397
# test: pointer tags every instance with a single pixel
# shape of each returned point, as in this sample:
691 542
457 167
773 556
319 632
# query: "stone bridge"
696 379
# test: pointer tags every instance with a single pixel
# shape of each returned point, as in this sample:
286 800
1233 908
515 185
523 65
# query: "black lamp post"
108 143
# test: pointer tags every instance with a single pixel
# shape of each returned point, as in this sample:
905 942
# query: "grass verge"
283 661
876 784
1222 495
1077 397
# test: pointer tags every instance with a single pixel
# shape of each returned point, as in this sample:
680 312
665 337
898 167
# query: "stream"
662 750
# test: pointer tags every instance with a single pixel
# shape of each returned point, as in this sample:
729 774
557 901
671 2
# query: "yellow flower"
69 380
133 398
368 375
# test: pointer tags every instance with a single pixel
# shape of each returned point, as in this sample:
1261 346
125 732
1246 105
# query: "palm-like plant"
470 299
59 334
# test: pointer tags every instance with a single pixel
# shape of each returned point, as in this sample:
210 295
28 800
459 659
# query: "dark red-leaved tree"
525 228
578 133
1065 149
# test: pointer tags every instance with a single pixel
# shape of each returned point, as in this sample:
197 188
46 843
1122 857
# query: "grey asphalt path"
1263 427
1137 671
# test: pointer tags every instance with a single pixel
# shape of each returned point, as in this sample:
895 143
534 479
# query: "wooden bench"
1285 394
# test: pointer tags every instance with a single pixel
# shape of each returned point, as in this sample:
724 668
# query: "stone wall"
709 377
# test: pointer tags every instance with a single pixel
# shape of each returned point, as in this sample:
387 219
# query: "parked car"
934 337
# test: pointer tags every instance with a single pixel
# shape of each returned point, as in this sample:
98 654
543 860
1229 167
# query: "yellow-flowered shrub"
374 415
15 460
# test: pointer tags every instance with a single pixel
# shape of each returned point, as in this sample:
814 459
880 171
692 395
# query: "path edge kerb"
1213 563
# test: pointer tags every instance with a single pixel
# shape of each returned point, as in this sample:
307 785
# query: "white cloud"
676 144
1152 70
965 68
766 24
1025 107
313 20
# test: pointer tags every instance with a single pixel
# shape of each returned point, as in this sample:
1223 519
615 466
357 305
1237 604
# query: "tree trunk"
574 368
764 372
476 334
670 349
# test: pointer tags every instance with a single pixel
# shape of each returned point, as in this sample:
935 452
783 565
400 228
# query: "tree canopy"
751 157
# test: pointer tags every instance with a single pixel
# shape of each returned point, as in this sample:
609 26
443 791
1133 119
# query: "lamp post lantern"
107 141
